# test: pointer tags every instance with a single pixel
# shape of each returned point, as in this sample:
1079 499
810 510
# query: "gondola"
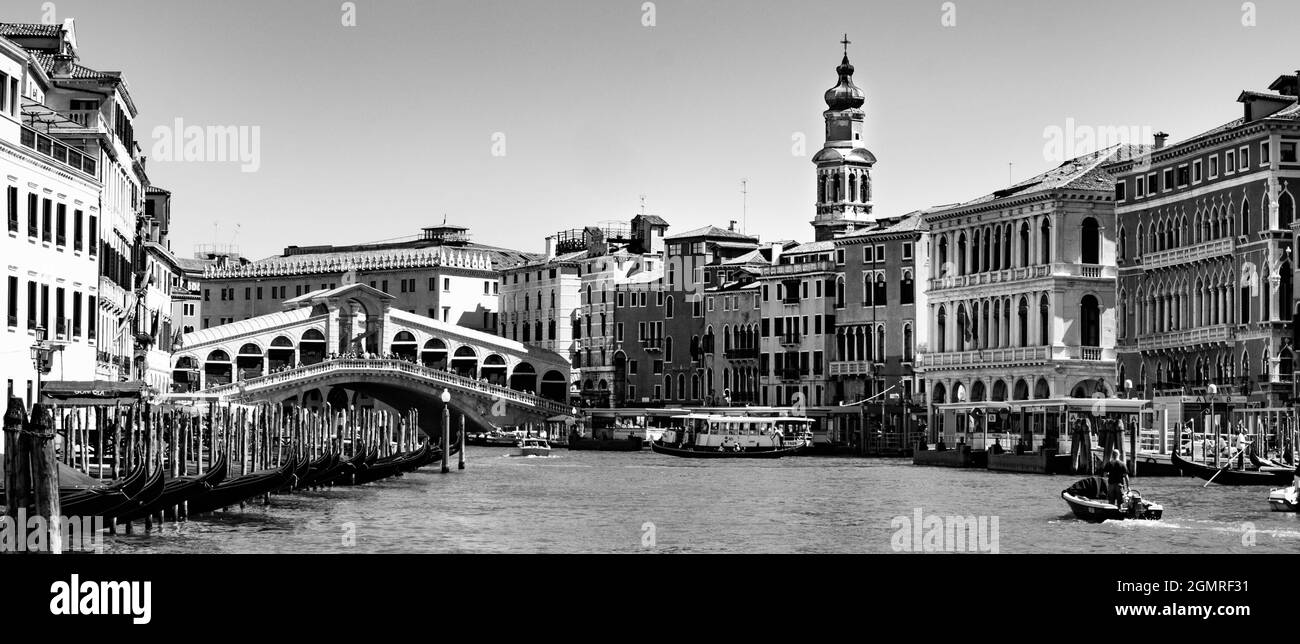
318 469
369 458
419 458
149 495
1087 500
181 489
1225 476
241 488
301 468
687 452
386 467
1285 499
89 500
344 472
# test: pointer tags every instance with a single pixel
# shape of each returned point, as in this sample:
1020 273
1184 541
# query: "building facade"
1206 268
1021 292
49 251
439 274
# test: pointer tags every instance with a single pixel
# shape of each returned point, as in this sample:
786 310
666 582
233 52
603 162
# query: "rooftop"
713 232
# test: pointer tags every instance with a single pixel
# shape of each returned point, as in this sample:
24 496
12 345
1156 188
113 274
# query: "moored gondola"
1227 476
148 496
242 488
181 489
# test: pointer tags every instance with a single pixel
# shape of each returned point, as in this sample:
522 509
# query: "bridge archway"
338 398
554 386
218 369
465 361
311 399
494 369
281 354
404 346
250 363
311 349
181 373
434 354
524 377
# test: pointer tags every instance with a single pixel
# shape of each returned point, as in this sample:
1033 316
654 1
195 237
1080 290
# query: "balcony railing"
789 338
1013 355
789 374
1190 337
1199 252
652 344
990 277
68 157
851 368
741 353
799 269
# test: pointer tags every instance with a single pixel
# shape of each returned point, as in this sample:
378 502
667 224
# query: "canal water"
613 502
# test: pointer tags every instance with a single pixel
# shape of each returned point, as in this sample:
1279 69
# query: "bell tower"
843 164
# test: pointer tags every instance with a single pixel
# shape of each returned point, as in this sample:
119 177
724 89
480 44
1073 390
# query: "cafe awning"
93 392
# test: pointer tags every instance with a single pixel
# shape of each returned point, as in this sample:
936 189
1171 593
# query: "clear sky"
372 131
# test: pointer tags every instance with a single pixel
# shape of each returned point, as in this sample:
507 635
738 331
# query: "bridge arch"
465 361
312 347
250 361
281 354
218 368
181 373
434 354
404 346
524 377
494 369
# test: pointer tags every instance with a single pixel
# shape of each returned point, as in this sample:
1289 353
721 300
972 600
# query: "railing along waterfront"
1206 250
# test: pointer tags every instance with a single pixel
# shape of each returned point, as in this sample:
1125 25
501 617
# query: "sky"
520 118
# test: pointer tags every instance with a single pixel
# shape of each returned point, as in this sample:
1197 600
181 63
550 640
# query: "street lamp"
40 355
446 427
1212 392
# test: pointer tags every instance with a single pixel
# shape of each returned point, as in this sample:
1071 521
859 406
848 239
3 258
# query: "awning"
92 392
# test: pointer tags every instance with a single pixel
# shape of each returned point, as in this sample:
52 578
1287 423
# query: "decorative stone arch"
218 368
494 369
464 361
434 354
999 391
1042 389
312 346
1020 390
281 353
524 377
404 345
978 391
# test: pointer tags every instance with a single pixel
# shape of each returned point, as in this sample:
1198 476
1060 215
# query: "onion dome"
845 95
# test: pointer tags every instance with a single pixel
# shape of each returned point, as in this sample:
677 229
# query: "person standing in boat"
1116 474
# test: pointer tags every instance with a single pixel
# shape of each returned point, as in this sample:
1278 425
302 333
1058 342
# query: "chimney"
63 64
731 226
1161 137
776 252
550 248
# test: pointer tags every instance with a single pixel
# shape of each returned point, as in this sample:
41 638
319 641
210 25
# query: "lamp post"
1212 392
40 358
446 427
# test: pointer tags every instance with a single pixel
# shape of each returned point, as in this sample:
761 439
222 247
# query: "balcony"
988 357
1187 254
789 375
738 353
800 269
789 339
652 345
1190 337
1090 354
67 157
851 368
1003 276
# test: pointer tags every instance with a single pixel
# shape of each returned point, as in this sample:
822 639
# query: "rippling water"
603 501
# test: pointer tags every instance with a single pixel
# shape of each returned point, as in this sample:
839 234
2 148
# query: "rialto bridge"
349 347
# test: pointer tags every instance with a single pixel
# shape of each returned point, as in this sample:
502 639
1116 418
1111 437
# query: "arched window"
668 307
1044 320
906 289
943 257
1024 244
1023 319
853 186
864 187
1123 244
839 292
907 343
1045 243
961 254
1090 322
1091 241
943 329
1285 211
668 349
